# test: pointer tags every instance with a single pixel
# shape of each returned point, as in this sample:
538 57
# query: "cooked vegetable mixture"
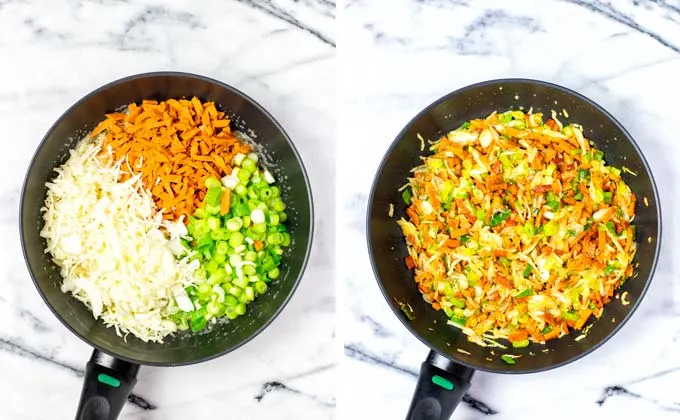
163 220
517 228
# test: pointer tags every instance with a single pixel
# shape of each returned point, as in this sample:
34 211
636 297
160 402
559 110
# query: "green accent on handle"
108 380
442 382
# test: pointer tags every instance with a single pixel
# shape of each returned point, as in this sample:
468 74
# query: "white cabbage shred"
108 239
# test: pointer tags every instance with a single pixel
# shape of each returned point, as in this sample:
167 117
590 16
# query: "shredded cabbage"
113 247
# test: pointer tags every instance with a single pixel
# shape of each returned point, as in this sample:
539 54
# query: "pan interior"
248 117
388 248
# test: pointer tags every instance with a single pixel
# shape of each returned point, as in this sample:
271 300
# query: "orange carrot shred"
225 204
180 143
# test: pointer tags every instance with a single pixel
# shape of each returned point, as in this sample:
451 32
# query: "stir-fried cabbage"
518 229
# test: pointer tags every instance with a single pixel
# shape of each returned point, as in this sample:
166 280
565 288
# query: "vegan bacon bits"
517 229
163 220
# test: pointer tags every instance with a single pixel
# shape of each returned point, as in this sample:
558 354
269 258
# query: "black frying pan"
452 369
111 372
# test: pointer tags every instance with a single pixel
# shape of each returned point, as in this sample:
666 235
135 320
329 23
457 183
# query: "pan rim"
221 85
500 82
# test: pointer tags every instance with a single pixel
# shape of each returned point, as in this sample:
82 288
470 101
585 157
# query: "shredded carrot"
226 202
518 335
453 243
179 144
584 314
554 333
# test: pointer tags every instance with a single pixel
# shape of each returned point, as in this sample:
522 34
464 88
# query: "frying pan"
445 375
111 372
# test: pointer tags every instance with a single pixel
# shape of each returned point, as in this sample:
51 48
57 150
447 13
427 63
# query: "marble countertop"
401 55
53 53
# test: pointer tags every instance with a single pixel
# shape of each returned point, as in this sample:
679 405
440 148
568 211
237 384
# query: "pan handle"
108 382
442 384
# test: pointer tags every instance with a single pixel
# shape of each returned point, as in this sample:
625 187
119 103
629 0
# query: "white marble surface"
399 56
281 52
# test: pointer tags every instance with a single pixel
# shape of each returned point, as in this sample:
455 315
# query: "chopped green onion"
458 303
248 164
218 277
551 228
260 287
198 323
521 343
259 227
609 269
241 309
570 316
212 209
610 227
212 183
406 310
244 175
278 205
627 170
505 117
553 201
434 163
234 224
204 242
213 223
273 273
499 217
222 248
249 270
236 239
407 196
213 196
599 195
234 269
241 282
241 190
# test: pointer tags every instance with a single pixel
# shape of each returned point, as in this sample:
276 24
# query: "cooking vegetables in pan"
517 228
162 219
